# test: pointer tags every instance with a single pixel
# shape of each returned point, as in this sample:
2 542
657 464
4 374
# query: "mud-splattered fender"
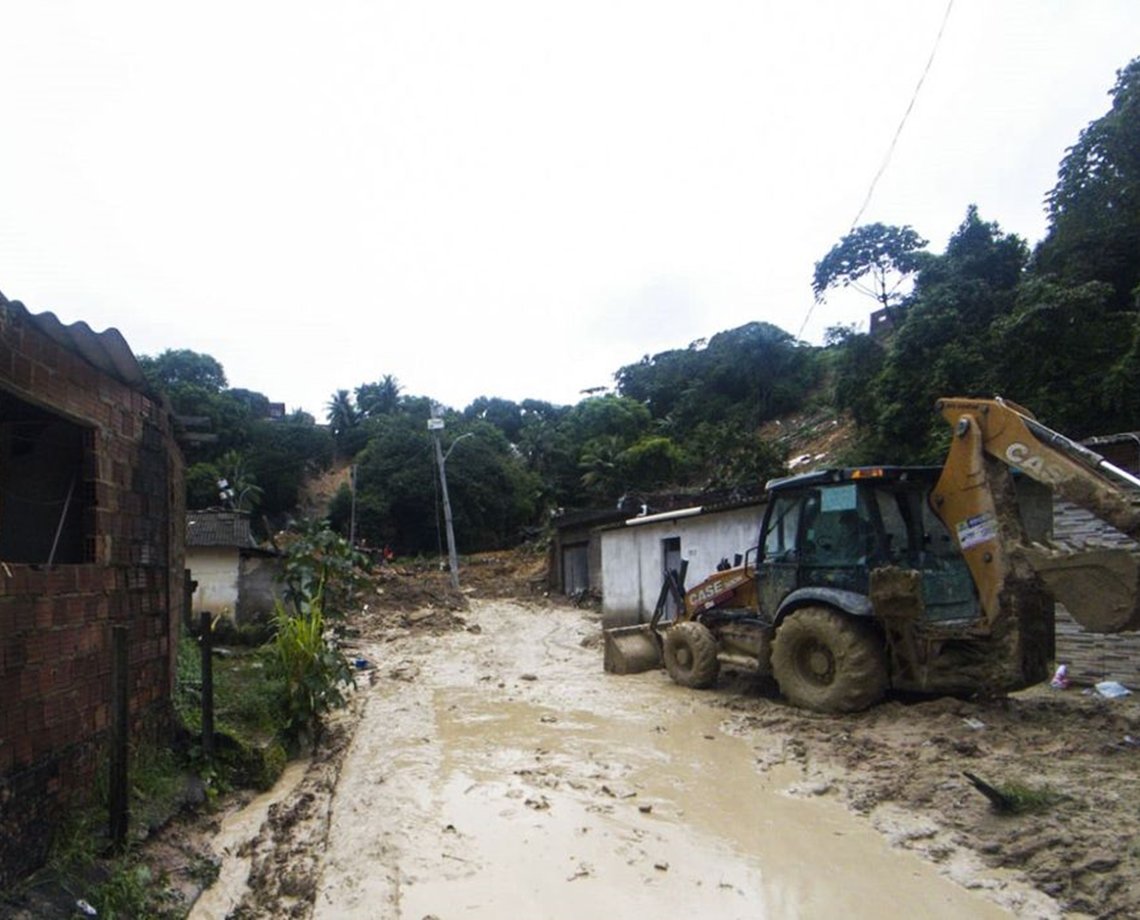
852 602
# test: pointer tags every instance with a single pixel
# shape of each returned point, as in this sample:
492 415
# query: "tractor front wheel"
828 661
689 650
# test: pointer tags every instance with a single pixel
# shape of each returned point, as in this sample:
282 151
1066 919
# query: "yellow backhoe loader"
927 579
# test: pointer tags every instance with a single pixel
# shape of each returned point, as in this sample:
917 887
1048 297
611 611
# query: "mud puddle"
476 788
238 829
559 815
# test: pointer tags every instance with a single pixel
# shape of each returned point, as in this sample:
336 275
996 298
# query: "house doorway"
575 569
670 562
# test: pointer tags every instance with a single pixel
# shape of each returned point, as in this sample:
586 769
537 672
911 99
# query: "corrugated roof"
107 351
218 528
662 506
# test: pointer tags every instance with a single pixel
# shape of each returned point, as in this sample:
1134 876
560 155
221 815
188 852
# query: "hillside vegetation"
1053 328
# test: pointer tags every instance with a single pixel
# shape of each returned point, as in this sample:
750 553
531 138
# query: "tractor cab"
824 532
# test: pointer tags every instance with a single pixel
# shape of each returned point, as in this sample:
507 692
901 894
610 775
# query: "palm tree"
342 415
380 398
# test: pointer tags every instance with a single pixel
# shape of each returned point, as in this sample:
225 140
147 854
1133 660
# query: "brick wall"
55 644
1092 657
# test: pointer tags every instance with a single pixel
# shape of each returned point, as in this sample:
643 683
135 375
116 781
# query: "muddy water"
503 774
238 828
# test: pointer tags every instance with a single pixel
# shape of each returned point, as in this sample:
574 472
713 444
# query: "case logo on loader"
713 591
1037 466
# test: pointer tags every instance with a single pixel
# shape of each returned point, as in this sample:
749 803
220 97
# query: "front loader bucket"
632 649
1100 587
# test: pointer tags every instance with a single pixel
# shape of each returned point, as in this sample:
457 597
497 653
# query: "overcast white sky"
506 198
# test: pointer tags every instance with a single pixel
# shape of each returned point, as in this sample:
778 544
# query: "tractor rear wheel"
689 650
828 661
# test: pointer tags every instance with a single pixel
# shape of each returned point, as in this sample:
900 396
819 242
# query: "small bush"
321 563
1029 799
313 669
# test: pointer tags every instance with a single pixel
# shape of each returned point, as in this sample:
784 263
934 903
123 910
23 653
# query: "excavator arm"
1100 586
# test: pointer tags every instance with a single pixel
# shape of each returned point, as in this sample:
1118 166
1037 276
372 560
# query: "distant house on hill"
91 537
235 578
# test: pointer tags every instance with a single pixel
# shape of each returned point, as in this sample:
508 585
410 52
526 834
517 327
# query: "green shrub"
322 564
313 669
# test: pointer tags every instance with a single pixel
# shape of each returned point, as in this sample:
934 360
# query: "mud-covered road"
497 771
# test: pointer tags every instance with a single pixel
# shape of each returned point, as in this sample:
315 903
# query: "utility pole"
435 426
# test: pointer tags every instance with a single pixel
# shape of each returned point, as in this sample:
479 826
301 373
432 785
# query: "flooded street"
499 772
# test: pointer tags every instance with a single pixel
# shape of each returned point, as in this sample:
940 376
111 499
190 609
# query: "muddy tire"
690 655
829 662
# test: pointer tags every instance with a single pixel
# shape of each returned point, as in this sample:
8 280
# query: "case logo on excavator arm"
1020 455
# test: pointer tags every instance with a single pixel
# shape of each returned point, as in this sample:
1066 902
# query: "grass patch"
1024 799
249 698
80 864
1016 798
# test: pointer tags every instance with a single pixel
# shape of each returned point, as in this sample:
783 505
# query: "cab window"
783 522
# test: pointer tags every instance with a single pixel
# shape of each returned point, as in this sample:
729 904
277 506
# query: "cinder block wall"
55 623
1092 657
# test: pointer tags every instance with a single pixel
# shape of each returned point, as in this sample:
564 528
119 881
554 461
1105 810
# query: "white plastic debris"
1111 689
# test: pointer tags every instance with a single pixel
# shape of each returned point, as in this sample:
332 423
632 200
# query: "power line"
894 140
906 115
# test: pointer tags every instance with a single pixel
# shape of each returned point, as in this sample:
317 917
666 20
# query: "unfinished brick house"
91 535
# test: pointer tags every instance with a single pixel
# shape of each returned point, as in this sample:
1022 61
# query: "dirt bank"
495 770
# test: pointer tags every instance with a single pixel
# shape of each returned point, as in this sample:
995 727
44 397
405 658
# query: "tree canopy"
1058 332
1094 209
874 259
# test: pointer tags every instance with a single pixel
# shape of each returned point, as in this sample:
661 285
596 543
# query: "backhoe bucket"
632 649
1100 587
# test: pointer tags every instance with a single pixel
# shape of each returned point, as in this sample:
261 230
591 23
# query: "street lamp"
435 426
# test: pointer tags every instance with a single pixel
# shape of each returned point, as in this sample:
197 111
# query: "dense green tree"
341 413
751 373
396 488
505 415
345 424
397 504
282 454
942 346
202 486
226 482
600 462
547 448
858 361
652 462
493 496
180 367
661 381
256 403
1094 209
195 385
874 259
379 398
1074 388
725 457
